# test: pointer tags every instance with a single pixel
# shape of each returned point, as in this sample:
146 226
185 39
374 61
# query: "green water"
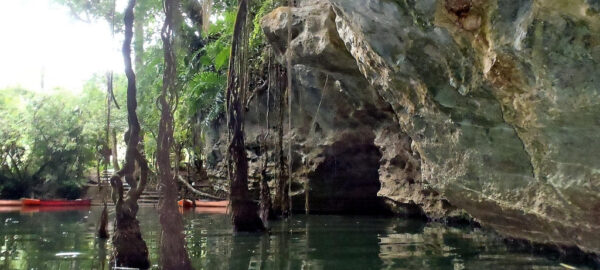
65 240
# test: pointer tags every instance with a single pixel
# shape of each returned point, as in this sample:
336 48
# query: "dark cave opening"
347 179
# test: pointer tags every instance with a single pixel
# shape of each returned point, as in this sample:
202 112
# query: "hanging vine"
130 249
266 213
244 210
172 241
110 97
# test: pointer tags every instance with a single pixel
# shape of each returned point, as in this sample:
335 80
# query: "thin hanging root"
312 125
265 191
289 92
173 252
103 222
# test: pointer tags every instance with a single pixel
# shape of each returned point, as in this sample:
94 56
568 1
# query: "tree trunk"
265 195
138 42
281 193
244 210
173 254
206 12
115 157
102 231
98 174
130 250
197 192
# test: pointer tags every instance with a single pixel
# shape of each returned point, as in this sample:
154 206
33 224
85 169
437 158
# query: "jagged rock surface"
450 107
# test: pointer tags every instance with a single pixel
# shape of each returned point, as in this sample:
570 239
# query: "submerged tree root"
102 230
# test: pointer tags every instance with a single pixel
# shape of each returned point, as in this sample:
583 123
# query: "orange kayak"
200 203
185 203
10 203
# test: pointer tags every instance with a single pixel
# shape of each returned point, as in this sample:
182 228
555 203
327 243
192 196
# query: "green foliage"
89 11
44 143
262 8
49 141
203 76
203 59
80 124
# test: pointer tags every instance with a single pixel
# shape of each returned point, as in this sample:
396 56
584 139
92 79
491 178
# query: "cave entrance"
347 179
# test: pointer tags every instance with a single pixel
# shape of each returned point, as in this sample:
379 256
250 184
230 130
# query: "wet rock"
471 22
473 109
498 122
459 7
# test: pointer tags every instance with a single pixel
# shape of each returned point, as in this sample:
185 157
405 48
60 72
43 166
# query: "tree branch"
197 192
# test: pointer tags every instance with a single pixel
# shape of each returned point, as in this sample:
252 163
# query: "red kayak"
200 203
185 203
62 208
10 203
30 202
36 202
78 202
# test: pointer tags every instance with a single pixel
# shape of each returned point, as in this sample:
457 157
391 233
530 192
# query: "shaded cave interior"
346 180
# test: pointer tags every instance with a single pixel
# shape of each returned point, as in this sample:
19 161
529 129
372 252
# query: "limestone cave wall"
443 108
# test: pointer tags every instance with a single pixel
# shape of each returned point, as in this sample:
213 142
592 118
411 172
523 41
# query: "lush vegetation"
52 143
47 141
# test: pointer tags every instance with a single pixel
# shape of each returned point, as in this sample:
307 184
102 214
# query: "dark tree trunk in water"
102 230
244 210
173 254
281 193
266 206
130 250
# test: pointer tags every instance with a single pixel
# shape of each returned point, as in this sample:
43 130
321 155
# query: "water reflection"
66 240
